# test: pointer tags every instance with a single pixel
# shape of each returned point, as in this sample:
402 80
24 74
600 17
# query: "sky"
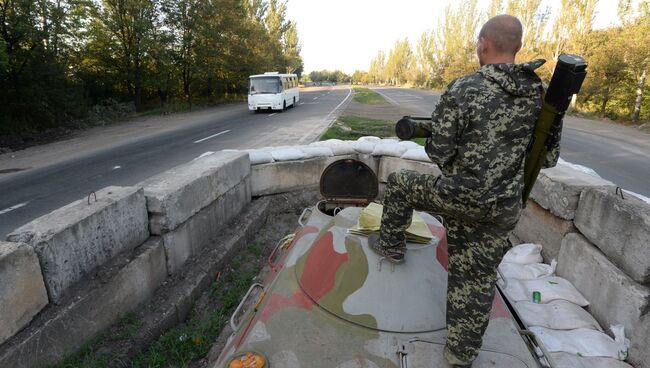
347 34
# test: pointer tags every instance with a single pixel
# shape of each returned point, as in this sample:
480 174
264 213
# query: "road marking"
117 167
328 119
204 154
212 136
315 98
302 103
272 114
387 98
14 207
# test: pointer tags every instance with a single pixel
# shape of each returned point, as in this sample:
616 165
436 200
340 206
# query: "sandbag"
551 288
409 144
365 146
326 143
526 271
524 254
369 138
315 151
416 154
260 157
344 148
584 342
388 141
287 154
566 360
557 314
390 149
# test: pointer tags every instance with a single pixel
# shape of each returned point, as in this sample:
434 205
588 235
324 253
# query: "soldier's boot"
392 254
455 361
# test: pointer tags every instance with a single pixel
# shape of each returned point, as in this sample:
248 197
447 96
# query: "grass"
367 96
182 344
353 127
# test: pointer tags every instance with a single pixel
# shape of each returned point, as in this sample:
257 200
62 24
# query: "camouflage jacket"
482 127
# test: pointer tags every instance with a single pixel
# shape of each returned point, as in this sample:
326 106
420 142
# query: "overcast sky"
346 34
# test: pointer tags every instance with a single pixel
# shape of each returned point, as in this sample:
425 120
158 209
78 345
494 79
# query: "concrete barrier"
22 292
620 227
539 226
197 232
639 354
75 239
558 189
614 297
388 165
99 303
177 194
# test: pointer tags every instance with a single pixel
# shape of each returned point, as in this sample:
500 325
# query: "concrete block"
177 194
75 239
558 189
388 165
66 328
22 292
285 176
619 227
639 354
613 296
199 230
539 226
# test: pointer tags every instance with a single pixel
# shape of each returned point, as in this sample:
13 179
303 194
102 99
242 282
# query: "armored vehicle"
330 302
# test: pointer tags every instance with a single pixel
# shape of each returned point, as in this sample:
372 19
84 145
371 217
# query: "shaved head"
504 33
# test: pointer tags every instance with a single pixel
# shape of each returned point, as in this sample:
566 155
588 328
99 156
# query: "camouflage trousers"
477 241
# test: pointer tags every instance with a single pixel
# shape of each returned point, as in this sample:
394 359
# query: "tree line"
618 56
59 58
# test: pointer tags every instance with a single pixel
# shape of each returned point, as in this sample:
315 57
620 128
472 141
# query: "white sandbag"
551 288
326 143
315 151
366 146
417 154
526 271
391 149
566 360
343 148
557 314
584 342
409 144
369 138
388 141
260 157
287 154
524 254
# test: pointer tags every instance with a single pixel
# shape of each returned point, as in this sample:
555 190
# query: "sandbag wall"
70 274
600 237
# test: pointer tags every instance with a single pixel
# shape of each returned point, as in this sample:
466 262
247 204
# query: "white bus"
273 91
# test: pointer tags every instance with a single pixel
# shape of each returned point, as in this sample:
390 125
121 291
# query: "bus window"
265 85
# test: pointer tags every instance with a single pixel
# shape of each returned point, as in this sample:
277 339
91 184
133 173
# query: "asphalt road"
128 160
617 153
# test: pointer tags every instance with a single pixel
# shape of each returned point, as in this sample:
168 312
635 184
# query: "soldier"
482 127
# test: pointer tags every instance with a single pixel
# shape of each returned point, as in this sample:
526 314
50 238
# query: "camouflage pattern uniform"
482 127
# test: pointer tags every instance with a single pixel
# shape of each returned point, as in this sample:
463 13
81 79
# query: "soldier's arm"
441 146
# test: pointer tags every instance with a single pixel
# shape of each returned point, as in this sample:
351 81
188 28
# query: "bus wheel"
284 105
294 102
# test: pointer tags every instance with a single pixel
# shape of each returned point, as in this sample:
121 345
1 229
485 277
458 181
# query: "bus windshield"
264 85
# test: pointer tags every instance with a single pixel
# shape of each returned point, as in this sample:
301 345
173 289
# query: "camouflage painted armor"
482 128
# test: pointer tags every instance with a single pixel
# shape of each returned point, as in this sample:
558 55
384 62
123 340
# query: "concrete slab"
388 165
558 189
197 232
639 354
64 329
619 227
539 226
73 240
177 194
22 292
614 297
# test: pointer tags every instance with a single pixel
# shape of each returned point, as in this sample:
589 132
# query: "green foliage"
367 96
335 76
354 127
618 57
60 58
